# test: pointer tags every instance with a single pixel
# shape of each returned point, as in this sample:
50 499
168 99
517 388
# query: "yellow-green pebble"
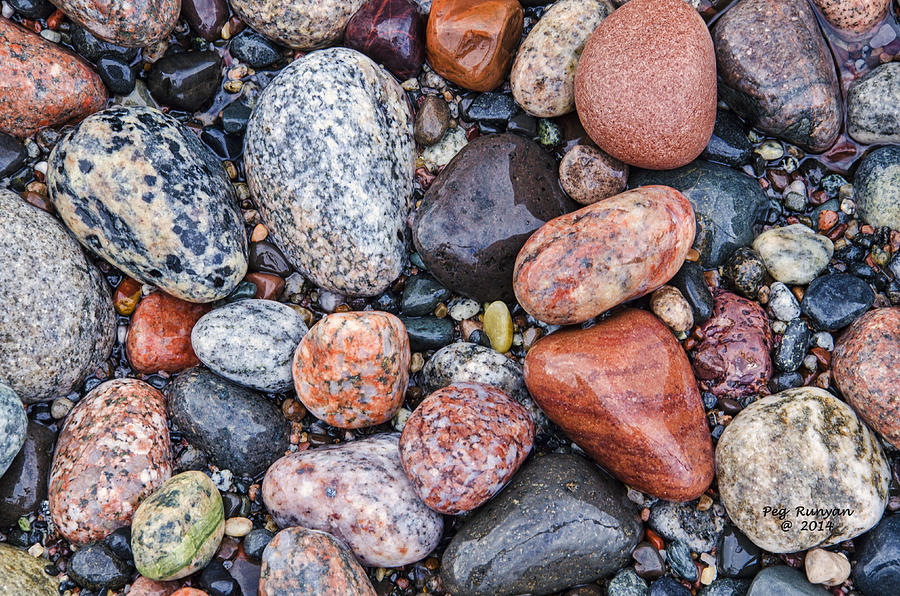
498 326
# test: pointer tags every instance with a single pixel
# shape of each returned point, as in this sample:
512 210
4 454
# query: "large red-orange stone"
623 390
159 338
645 86
473 42
42 84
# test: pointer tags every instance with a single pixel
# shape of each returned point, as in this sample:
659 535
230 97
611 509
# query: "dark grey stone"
678 555
690 282
428 333
421 295
877 569
96 567
792 349
254 50
729 143
876 185
836 300
736 555
24 485
185 81
782 580
12 155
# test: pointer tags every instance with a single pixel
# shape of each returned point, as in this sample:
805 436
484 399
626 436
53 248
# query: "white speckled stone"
794 254
801 448
13 423
250 342
873 106
57 322
300 24
330 159
139 189
543 75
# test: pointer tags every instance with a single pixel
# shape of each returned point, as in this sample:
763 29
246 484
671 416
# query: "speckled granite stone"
121 426
140 190
298 562
250 342
300 24
543 74
22 574
794 254
842 467
134 24
854 17
873 106
334 184
13 423
875 187
57 323
359 492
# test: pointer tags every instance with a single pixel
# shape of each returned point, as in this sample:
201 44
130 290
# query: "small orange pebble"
127 296
190 592
654 539
260 232
827 220
55 19
867 229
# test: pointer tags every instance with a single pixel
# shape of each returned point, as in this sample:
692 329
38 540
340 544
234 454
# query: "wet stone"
729 143
792 349
12 155
185 81
96 567
428 333
834 301
690 282
116 75
390 32
491 108
699 530
668 586
784 581
92 49
421 295
235 117
877 568
873 115
648 563
20 573
159 338
794 254
588 175
875 187
256 541
24 485
627 583
737 556
206 17
745 271
32 9
726 586
132 25
13 424
299 24
254 50
678 555
268 258
432 120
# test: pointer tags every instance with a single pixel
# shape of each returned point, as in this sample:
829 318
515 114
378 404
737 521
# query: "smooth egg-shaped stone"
132 24
42 84
839 468
177 529
206 17
543 75
624 391
390 32
22 574
584 263
13 424
24 485
358 492
159 338
185 81
794 254
57 323
139 189
299 24
345 233
645 87
120 425
250 342
853 17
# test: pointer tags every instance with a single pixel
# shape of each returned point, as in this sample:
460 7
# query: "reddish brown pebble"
581 264
268 286
645 86
463 444
126 296
188 592
147 587
42 84
299 561
866 368
159 338
855 17
293 410
827 220
352 368
733 358
472 42
623 390
588 175
112 453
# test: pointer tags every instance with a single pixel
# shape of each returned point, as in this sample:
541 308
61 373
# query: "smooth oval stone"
690 282
20 573
873 106
13 424
792 349
836 300
32 9
877 568
736 555
185 81
206 17
645 87
24 485
92 49
298 562
58 324
589 382
42 84
131 24
784 581
117 75
358 492
875 187
120 425
843 469
726 204
239 429
559 523
299 24
250 342
345 233
390 32
254 50
462 444
794 254
139 189
159 338
588 175
351 369
96 567
775 70
543 75
421 295
12 154
177 530
427 333
481 209
855 17
865 368
582 264
729 143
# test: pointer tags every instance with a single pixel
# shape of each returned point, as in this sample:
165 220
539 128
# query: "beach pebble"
20 573
299 24
13 424
855 17
588 174
875 187
670 306
133 24
159 338
390 32
24 485
877 566
873 106
825 567
794 254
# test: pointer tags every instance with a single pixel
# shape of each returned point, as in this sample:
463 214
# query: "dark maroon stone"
206 17
391 32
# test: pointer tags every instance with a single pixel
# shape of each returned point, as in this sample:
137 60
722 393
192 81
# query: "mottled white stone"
794 254
13 423
300 24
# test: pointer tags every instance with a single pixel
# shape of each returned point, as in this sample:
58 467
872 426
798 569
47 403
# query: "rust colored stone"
127 296
159 338
42 84
645 86
866 368
623 390
147 587
472 42
268 286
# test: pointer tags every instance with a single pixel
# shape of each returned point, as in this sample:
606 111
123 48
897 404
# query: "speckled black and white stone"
139 189
794 254
250 342
57 322
838 476
543 75
300 24
873 106
13 423
464 362
875 187
330 159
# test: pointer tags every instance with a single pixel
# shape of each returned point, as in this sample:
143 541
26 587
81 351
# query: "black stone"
523 124
782 381
559 523
119 542
726 586
480 337
12 154
668 586
216 580
224 145
185 81
116 74
726 203
679 558
737 556
265 257
493 108
24 484
387 302
96 567
690 282
428 333
254 50
836 300
782 580
243 291
729 143
91 48
745 271
32 9
648 563
877 569
235 116
421 295
255 543
792 349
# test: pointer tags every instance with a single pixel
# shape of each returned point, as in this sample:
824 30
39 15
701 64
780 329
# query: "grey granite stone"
300 24
873 106
13 423
876 186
